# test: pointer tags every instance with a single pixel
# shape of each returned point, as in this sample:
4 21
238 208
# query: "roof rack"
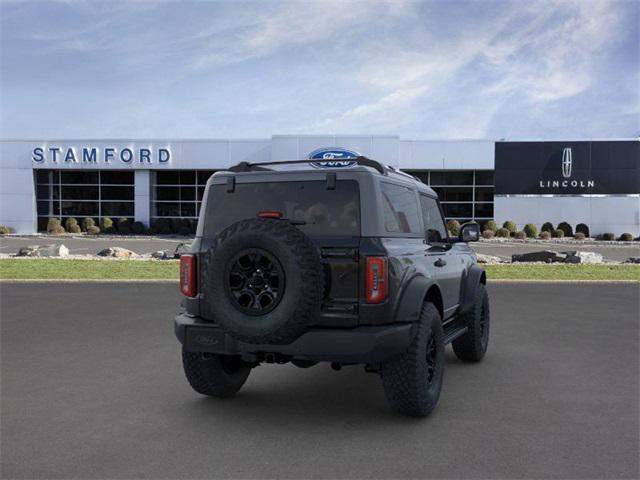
400 172
262 166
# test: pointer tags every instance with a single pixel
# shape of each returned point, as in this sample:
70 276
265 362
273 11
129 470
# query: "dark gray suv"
347 262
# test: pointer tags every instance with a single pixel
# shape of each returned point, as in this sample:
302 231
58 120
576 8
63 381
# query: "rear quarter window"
400 205
319 211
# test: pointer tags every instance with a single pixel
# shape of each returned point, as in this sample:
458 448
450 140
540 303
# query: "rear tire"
412 381
215 375
472 346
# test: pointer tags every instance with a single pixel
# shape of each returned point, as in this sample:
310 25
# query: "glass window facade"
178 193
88 193
464 194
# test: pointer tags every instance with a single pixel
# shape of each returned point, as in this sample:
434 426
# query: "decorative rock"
632 260
161 255
181 248
488 259
116 252
30 251
583 257
546 256
53 250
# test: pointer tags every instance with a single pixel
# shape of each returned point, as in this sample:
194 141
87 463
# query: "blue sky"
423 70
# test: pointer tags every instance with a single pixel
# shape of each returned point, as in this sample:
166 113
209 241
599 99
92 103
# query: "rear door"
328 214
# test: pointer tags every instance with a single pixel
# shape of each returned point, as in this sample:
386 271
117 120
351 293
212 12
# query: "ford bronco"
347 262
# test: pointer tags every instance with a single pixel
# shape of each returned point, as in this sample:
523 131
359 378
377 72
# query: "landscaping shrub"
181 226
488 234
491 225
579 236
71 225
52 224
93 230
626 237
106 225
511 226
566 228
161 226
557 233
124 226
4 230
547 227
503 233
545 235
69 222
521 235
88 222
57 230
583 228
138 228
531 230
608 236
454 227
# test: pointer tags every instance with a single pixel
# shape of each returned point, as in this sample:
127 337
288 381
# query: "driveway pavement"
92 245
92 387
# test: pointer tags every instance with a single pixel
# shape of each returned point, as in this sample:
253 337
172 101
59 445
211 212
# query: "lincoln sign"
569 168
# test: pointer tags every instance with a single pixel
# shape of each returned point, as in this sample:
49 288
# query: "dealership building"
596 182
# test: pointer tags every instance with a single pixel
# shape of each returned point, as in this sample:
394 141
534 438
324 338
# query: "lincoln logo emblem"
566 162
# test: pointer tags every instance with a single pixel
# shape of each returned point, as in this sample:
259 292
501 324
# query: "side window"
400 209
435 230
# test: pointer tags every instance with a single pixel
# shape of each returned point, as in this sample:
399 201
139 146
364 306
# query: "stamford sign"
95 155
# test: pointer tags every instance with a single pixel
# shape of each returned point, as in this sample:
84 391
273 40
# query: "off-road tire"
472 346
406 377
299 305
215 375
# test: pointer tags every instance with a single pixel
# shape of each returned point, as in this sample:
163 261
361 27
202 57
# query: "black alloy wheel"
255 281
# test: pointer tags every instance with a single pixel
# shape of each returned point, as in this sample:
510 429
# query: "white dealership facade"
591 182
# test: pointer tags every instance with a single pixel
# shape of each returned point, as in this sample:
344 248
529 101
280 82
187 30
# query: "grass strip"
563 272
66 269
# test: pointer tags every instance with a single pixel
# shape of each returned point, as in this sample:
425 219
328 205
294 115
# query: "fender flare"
475 276
411 299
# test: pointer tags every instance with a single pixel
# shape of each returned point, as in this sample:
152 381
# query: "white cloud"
286 25
553 57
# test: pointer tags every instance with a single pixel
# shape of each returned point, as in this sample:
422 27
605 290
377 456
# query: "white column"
143 196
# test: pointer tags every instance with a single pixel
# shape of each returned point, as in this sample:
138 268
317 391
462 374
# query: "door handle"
440 263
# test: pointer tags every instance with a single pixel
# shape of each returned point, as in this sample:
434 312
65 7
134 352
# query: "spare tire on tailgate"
262 281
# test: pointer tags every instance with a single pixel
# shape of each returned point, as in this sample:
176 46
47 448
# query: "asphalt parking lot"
92 388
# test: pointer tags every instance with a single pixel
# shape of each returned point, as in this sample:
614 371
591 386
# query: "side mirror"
469 232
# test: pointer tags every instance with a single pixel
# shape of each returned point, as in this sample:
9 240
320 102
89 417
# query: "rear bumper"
355 345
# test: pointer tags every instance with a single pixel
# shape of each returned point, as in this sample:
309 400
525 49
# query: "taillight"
376 279
188 276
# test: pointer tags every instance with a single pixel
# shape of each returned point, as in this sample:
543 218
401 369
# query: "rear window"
320 211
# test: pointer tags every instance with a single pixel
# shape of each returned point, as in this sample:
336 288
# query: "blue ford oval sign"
333 157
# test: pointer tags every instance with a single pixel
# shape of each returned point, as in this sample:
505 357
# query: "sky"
420 70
